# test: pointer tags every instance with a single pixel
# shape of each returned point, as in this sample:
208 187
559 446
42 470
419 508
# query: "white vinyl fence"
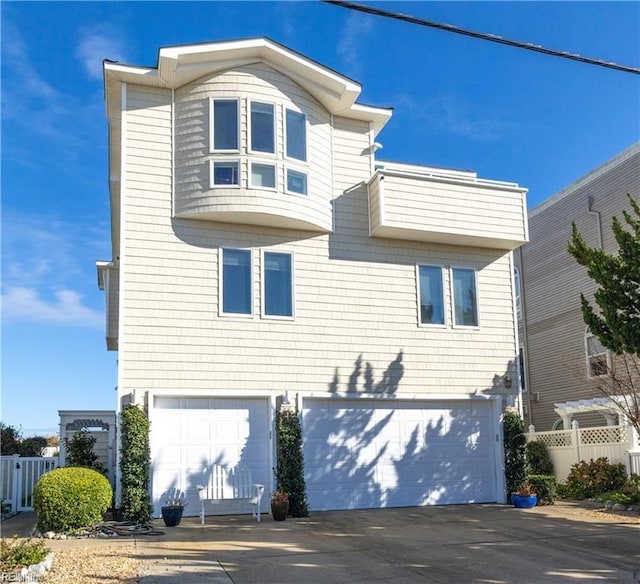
18 477
568 447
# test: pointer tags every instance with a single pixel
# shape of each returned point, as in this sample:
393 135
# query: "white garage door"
372 453
188 434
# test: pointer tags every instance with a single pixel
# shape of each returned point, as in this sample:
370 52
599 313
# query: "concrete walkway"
453 545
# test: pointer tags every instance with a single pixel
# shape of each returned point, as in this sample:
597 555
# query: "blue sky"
459 102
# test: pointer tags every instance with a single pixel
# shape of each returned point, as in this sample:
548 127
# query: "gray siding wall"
552 282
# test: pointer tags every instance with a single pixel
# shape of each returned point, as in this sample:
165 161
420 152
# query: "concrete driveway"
459 544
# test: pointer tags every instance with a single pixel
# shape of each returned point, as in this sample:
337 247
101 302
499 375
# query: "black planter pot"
279 510
172 515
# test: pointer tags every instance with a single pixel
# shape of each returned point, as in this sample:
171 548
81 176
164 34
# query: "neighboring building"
262 254
563 362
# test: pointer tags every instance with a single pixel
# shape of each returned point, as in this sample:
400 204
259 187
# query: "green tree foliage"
514 448
9 440
66 499
290 465
135 465
538 459
616 322
80 451
32 446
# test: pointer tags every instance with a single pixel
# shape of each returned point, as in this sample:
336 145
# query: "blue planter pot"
524 501
172 515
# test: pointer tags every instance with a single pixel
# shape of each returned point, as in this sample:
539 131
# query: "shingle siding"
553 281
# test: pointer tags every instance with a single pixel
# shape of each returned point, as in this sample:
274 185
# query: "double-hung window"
597 358
223 131
465 297
236 289
277 278
262 122
431 295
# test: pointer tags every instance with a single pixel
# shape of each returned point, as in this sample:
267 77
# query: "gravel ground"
96 561
93 561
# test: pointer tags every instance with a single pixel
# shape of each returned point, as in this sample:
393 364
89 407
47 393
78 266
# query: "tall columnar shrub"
80 451
135 465
69 498
290 464
514 449
538 459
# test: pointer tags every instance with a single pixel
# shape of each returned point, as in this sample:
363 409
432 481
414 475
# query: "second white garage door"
398 453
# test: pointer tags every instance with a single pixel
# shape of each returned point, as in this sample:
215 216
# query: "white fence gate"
568 447
18 477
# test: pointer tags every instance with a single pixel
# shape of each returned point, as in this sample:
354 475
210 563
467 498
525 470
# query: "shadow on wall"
394 451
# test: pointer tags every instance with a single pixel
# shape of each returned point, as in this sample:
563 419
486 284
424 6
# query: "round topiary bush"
69 498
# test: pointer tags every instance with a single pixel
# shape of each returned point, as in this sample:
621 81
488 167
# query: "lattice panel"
554 439
609 435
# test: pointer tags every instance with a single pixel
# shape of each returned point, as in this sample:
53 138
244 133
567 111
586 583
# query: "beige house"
261 254
563 362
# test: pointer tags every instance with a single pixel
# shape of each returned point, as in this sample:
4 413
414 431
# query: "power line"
480 35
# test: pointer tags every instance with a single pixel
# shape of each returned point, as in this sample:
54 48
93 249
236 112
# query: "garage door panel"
189 434
397 453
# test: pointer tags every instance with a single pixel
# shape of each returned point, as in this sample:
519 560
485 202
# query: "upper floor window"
224 173
262 131
296 135
597 356
263 176
296 182
277 284
224 125
236 288
465 298
431 295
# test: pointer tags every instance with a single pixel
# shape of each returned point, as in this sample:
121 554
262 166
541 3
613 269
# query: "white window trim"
588 334
263 313
211 124
250 149
212 163
421 324
269 162
517 286
453 299
284 135
221 283
305 171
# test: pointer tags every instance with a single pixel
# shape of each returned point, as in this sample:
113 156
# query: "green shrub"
290 464
616 497
631 488
135 465
514 444
545 487
588 479
20 553
80 451
69 498
538 459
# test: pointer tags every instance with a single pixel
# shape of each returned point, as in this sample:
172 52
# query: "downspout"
598 221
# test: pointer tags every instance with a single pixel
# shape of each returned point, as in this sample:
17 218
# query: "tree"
9 440
80 451
515 441
616 322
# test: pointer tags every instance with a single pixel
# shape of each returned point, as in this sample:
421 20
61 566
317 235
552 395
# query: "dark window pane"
225 173
262 135
465 308
296 182
278 284
296 135
431 296
225 125
236 281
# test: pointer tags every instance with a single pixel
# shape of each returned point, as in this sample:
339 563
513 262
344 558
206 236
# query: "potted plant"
524 497
279 505
172 509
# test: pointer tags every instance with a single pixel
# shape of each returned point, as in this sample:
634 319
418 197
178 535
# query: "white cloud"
66 308
356 27
94 47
